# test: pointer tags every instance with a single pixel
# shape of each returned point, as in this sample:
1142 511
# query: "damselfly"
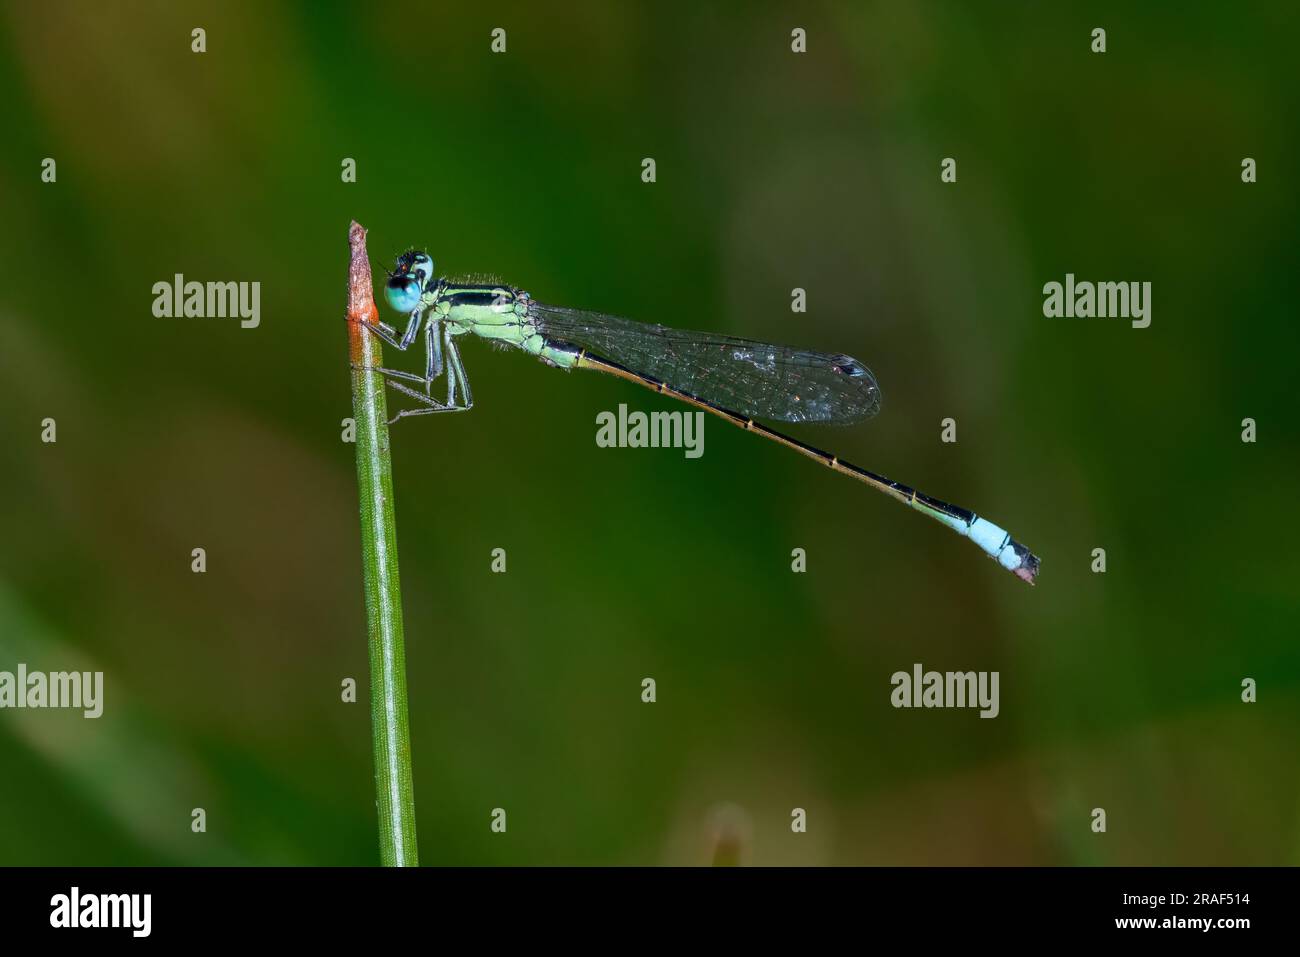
739 380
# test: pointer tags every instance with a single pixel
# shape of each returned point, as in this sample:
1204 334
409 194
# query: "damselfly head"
415 263
407 281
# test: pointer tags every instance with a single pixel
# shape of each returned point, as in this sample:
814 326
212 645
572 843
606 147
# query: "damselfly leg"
434 367
386 332
432 359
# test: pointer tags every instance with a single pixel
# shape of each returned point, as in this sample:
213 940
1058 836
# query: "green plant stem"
394 793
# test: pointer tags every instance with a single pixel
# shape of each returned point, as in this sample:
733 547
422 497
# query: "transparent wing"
757 379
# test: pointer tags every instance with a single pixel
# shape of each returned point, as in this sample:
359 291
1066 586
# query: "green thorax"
494 311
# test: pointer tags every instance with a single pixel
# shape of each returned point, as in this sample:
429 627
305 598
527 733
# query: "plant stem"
394 793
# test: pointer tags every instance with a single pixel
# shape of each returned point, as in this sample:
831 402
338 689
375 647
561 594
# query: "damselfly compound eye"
403 293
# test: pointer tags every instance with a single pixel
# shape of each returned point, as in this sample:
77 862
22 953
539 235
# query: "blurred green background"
775 171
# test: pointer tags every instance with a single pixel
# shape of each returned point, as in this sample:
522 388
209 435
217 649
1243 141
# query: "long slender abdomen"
994 540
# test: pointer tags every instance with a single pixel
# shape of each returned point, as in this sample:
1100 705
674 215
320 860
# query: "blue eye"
403 293
422 263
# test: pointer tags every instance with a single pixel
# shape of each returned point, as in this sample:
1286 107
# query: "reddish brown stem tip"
361 295
361 298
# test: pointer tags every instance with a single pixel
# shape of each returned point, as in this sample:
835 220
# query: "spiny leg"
432 405
433 360
432 354
386 332
412 328
393 373
456 371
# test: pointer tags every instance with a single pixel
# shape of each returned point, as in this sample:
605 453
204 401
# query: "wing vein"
751 377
